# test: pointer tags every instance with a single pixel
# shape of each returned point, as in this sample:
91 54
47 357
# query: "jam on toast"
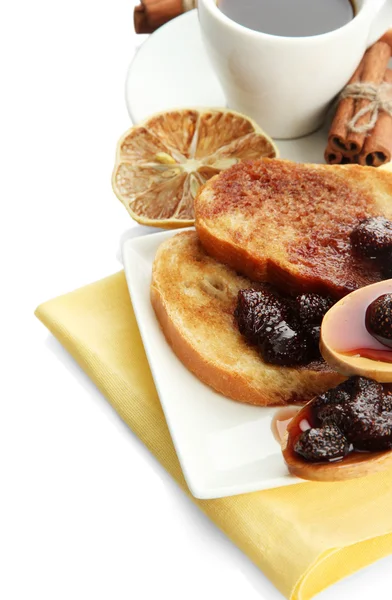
290 224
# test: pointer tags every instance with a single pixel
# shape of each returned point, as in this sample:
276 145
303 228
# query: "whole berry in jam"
286 330
341 393
379 319
376 437
285 345
329 407
257 312
321 445
331 414
312 308
372 238
365 423
386 402
366 388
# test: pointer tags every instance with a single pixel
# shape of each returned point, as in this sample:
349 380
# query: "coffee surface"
291 18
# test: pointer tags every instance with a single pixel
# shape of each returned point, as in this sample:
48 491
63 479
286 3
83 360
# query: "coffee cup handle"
382 21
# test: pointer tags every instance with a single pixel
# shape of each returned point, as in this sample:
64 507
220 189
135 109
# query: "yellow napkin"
303 537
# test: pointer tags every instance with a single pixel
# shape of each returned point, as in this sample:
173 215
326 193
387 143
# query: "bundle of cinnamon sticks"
361 131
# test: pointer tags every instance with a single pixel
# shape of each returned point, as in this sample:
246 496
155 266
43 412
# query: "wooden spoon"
346 344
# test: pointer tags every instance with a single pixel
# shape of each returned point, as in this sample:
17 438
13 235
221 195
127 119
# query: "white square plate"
224 447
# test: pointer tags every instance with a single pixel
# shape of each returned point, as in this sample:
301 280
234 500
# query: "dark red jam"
356 416
285 330
372 240
379 319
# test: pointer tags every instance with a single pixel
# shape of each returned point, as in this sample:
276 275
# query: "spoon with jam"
342 434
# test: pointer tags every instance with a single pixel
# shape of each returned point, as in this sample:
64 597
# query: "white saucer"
172 70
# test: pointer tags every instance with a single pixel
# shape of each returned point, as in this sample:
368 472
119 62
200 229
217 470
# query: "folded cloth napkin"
303 537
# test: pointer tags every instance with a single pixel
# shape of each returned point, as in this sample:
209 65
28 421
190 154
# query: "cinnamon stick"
371 70
337 138
151 14
332 156
374 67
377 149
349 160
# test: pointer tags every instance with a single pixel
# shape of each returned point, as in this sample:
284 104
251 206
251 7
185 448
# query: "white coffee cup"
287 83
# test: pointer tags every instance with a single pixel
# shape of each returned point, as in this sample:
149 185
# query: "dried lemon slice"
162 163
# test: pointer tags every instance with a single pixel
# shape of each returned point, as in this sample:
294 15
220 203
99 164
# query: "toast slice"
194 298
289 224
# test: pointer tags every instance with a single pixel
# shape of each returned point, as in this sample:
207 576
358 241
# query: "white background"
85 511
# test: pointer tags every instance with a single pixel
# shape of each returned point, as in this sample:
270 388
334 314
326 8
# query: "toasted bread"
289 224
194 298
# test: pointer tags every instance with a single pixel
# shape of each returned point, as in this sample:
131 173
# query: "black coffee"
291 18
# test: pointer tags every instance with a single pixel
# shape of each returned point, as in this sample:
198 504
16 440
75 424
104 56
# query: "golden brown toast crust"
289 223
194 299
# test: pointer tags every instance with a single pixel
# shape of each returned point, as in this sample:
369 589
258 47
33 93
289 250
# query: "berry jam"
285 330
354 417
352 332
372 238
379 319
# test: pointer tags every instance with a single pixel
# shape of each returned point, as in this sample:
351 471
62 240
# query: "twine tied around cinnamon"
379 97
